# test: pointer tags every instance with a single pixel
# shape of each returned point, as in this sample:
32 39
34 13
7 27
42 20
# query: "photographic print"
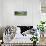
20 13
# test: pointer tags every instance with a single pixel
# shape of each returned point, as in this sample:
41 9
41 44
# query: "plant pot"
34 43
42 34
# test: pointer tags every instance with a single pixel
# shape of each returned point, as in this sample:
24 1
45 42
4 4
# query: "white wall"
31 6
1 17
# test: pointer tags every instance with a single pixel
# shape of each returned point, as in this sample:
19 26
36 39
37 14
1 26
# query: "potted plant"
34 39
41 27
